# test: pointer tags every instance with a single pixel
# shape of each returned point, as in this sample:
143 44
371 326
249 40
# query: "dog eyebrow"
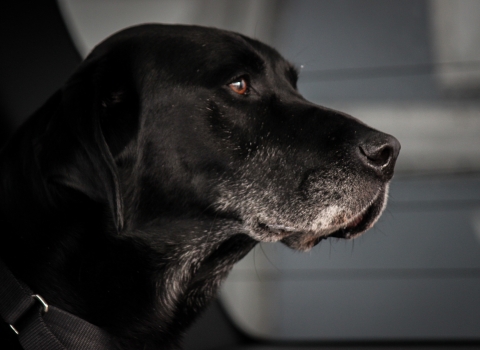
245 61
253 61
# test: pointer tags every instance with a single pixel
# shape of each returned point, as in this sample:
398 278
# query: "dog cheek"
204 187
234 128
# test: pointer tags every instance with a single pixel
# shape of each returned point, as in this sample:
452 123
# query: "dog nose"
379 153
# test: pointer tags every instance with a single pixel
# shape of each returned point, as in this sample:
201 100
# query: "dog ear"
95 119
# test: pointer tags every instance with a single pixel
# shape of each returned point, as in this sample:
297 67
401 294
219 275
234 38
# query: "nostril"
379 153
377 156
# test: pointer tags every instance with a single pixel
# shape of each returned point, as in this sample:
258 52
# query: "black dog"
170 153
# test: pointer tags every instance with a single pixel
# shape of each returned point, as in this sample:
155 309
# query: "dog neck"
143 285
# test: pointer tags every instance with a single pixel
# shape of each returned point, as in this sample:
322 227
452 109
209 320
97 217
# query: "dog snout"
379 152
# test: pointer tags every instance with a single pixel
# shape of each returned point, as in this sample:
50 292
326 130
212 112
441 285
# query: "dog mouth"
305 239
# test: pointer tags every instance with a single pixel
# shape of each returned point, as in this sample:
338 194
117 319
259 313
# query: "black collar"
40 326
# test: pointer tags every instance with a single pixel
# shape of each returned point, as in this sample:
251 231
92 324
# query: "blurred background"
410 68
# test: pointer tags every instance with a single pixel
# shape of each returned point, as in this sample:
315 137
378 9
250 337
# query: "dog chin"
304 240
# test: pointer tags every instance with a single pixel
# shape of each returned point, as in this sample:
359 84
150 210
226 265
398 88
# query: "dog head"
207 125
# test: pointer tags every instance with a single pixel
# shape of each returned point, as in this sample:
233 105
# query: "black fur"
130 194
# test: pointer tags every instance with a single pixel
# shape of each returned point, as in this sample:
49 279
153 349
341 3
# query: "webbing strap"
39 329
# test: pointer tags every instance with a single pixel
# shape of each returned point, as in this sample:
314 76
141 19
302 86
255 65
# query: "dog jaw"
351 228
272 208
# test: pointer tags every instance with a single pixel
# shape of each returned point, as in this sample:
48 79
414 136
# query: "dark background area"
37 56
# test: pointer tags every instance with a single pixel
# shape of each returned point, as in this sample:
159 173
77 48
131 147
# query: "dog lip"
360 223
355 222
305 238
280 228
357 219
345 232
361 219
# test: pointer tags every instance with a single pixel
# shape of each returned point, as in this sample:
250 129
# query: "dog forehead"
195 49
208 50
189 54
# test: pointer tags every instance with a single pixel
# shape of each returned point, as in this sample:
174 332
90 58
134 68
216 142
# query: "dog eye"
239 85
